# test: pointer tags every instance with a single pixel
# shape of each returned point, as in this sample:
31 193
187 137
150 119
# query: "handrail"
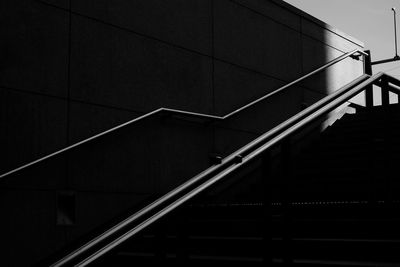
322 108
183 112
227 163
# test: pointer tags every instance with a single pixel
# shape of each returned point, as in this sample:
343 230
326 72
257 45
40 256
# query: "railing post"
267 209
160 242
385 92
369 98
182 239
287 164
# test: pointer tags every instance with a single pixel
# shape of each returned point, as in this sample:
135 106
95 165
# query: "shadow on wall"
69 74
297 50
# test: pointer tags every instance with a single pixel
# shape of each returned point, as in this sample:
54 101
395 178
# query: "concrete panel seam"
167 43
191 50
318 22
23 91
285 25
263 15
52 5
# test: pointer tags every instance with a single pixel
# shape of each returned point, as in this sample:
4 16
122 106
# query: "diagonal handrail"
317 112
169 200
186 113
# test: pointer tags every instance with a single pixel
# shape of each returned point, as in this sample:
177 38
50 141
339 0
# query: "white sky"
370 21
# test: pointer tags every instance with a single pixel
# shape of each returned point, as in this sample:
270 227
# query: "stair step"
342 208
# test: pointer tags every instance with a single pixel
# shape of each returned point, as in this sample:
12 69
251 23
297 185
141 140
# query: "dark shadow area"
72 69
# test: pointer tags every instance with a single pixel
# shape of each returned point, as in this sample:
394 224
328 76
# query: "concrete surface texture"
71 69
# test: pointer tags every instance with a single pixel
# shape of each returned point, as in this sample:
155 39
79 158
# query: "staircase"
338 205
298 195
344 194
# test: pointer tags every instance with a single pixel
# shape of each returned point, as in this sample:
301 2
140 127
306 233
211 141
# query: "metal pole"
395 31
396 56
369 98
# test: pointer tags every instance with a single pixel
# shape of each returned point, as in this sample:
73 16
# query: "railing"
353 54
164 205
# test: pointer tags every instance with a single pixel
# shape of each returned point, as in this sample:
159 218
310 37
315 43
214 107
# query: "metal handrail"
321 109
216 170
187 113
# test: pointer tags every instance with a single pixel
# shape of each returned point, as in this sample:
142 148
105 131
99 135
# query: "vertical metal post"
266 216
369 98
286 202
385 92
396 56
395 32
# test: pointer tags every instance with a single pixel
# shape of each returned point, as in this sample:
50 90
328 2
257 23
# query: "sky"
370 21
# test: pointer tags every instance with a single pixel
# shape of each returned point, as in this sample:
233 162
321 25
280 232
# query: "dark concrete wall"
71 69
